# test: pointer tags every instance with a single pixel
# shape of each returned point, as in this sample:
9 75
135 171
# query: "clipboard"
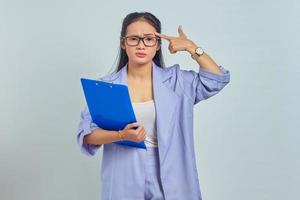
110 107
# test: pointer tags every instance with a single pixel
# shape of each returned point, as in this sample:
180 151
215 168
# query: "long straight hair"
133 17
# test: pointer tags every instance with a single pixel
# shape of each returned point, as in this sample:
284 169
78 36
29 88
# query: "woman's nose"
141 44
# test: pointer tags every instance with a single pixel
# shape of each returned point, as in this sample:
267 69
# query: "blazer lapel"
165 100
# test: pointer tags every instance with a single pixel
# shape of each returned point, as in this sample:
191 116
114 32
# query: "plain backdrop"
246 137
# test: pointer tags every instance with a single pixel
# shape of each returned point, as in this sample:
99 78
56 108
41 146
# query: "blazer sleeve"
86 126
203 84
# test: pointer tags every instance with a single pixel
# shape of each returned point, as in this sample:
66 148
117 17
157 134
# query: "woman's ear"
122 44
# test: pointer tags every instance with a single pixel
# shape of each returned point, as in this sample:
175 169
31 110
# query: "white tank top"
146 115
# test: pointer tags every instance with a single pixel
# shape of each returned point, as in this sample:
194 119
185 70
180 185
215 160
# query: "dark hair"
139 16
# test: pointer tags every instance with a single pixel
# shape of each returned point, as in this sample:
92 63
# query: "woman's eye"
133 38
150 38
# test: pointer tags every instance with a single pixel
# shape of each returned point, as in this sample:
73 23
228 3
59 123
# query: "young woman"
163 99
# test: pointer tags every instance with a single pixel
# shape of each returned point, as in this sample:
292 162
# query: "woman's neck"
139 72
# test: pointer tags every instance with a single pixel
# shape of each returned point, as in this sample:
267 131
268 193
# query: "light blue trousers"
130 173
153 188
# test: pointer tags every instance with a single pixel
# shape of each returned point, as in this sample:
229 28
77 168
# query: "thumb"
133 125
181 33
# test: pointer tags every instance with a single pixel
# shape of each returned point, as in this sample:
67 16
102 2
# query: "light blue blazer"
175 91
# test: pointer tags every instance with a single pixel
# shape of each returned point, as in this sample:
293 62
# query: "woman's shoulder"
170 69
175 70
108 77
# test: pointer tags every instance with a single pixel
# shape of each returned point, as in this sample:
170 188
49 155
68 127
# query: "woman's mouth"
140 54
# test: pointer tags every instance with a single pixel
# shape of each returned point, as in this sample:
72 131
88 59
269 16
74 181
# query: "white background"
246 137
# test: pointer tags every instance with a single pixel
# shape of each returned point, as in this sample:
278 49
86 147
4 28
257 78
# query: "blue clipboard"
110 106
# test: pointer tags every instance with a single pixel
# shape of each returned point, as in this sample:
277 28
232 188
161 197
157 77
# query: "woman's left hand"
181 43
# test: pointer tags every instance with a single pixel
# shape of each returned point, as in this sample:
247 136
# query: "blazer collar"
166 102
159 74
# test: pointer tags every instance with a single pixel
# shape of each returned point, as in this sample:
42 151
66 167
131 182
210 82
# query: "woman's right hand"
135 135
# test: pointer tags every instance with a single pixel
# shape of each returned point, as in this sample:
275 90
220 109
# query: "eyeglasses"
149 41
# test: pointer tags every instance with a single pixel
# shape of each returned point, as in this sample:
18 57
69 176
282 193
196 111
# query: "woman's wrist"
120 135
191 47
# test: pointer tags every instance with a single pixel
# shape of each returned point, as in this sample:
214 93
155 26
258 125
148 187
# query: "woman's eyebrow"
144 34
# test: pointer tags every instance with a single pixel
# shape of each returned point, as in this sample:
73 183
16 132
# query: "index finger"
164 36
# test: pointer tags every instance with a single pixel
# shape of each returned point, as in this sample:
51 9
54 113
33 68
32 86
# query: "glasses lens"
150 41
132 41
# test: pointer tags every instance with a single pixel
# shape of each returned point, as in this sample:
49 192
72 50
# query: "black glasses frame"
140 38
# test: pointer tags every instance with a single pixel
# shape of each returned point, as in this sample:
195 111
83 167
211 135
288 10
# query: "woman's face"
142 29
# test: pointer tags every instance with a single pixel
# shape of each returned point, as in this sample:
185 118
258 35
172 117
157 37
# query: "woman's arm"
90 136
205 61
101 136
182 43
